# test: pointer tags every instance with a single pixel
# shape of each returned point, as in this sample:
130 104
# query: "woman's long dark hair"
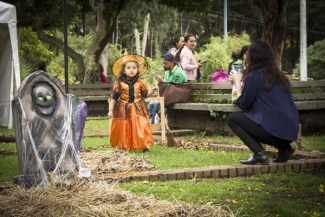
178 54
173 41
260 56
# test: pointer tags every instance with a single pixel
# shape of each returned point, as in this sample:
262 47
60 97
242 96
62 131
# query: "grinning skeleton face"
44 99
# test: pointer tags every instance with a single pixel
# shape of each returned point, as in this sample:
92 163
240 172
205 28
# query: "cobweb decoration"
49 127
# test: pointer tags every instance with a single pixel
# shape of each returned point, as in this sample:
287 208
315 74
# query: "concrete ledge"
302 105
205 107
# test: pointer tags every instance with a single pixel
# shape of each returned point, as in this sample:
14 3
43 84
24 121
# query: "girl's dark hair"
178 54
235 55
122 76
173 41
260 56
243 51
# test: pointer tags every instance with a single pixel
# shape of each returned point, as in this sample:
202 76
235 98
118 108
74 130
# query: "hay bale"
113 162
84 198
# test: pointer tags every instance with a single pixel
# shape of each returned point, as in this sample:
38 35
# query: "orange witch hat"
142 61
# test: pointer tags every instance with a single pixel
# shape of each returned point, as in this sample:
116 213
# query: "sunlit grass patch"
263 195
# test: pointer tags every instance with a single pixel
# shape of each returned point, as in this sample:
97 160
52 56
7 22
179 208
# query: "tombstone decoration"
49 126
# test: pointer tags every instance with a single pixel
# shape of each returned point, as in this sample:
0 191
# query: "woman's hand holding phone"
202 63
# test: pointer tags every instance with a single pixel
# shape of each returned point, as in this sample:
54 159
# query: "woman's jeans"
252 134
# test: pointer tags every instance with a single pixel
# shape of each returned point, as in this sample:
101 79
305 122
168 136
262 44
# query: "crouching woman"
270 115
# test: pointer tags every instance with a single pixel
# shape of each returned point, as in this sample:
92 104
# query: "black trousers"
252 134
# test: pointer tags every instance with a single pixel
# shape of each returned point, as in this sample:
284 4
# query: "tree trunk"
76 57
104 58
137 41
145 34
274 26
110 12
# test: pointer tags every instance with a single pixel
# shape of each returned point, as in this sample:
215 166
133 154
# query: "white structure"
303 41
9 62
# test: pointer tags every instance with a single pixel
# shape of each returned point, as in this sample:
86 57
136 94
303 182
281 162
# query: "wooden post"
52 179
109 121
299 137
163 119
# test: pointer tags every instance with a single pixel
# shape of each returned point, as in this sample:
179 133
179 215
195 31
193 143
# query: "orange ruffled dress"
130 128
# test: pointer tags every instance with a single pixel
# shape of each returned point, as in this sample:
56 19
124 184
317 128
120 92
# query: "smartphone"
237 67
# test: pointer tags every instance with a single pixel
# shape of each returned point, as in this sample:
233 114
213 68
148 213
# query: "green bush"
315 61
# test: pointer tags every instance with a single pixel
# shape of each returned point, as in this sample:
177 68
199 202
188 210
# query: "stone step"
205 172
300 161
213 171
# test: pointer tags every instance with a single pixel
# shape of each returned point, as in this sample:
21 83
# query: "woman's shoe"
257 158
284 154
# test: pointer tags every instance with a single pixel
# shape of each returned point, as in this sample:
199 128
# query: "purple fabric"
79 123
219 76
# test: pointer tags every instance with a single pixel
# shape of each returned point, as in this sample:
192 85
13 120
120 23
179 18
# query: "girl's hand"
154 89
159 78
110 115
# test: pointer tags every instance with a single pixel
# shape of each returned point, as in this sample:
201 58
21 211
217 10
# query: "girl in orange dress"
130 127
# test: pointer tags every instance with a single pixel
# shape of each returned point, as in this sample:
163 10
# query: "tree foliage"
117 20
218 52
33 50
315 61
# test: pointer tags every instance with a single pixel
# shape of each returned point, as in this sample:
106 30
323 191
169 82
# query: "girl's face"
131 69
180 42
191 43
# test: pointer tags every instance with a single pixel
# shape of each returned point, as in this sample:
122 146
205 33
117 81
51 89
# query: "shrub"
315 61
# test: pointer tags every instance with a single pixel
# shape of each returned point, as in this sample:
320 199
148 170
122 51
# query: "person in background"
242 54
176 43
270 115
130 127
173 73
102 76
235 55
42 66
238 57
187 60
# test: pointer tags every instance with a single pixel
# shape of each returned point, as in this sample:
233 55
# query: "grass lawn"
277 195
285 195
